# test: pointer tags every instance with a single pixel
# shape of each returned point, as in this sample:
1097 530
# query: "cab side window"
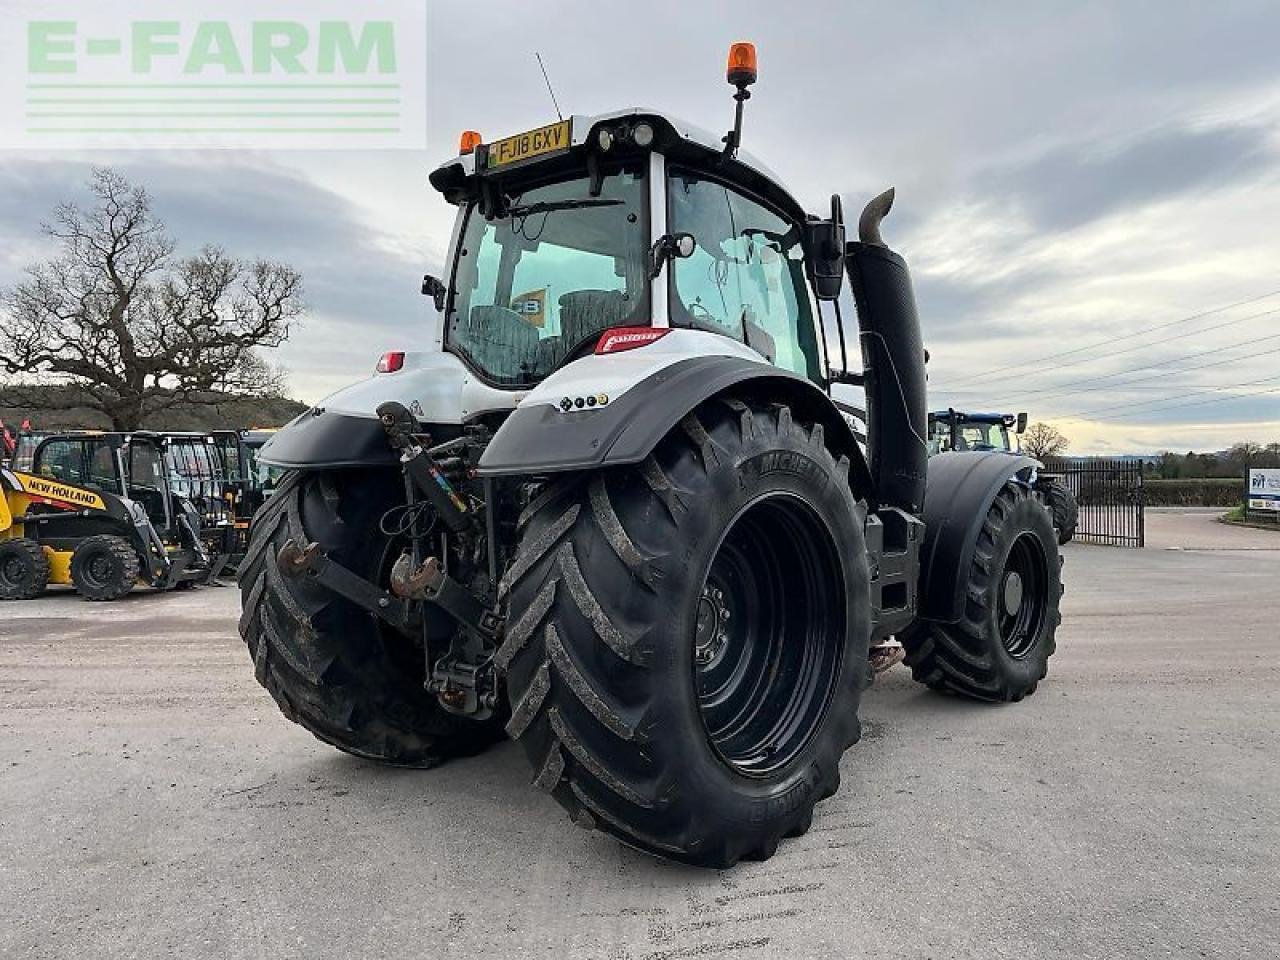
746 277
62 460
78 462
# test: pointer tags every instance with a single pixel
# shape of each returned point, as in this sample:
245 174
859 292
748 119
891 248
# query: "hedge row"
1194 493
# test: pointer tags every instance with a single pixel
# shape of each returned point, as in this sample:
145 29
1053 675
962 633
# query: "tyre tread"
959 657
580 708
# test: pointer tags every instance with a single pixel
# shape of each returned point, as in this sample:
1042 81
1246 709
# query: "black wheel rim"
97 570
1022 595
13 572
768 635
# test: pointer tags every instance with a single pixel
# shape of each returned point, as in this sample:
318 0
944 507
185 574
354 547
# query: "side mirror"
437 291
1022 422
673 245
824 252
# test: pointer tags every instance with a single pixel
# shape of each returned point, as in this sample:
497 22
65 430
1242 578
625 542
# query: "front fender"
325 438
541 438
960 489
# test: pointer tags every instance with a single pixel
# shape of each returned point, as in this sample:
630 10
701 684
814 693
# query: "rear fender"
551 433
961 488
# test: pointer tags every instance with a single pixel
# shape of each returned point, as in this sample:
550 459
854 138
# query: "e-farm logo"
245 73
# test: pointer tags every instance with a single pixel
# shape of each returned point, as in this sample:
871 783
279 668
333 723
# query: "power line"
1059 388
1126 384
1116 339
1197 403
1154 343
1193 393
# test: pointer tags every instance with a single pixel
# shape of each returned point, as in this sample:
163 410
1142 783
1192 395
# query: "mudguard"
960 490
326 438
543 438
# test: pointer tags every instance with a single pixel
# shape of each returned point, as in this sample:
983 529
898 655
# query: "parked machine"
198 474
608 508
249 482
953 429
97 511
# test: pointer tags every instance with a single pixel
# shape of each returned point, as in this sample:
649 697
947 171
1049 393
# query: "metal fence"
1110 496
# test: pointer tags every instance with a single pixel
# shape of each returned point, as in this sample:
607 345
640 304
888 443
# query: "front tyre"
1065 509
687 638
331 667
24 569
104 567
1000 648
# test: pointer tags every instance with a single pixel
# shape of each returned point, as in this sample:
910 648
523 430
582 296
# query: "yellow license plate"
552 138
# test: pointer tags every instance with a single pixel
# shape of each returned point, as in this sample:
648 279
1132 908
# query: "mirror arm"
659 254
666 248
844 352
852 379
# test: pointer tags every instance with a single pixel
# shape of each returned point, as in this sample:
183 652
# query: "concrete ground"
153 803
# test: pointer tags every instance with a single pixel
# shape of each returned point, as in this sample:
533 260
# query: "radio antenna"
559 115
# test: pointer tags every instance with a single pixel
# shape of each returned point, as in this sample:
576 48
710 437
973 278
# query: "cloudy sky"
1069 176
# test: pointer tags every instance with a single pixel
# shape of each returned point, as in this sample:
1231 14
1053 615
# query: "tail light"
391 362
628 338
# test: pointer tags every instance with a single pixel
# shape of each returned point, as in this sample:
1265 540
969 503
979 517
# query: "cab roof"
1007 419
678 139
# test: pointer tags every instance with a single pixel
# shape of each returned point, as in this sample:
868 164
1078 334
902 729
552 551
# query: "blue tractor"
953 429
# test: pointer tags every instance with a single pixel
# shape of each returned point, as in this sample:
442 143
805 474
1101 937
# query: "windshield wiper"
547 206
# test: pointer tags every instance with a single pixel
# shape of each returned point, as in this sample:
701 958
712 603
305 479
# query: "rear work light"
628 338
390 362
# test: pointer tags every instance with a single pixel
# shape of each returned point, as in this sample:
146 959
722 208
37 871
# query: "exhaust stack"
894 360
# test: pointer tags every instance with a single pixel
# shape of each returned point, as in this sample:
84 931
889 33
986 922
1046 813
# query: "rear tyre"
687 638
331 667
1066 512
1000 649
24 569
104 567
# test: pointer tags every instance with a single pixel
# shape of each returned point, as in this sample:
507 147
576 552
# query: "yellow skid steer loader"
97 511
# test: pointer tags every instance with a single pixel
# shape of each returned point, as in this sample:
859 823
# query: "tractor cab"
953 430
629 221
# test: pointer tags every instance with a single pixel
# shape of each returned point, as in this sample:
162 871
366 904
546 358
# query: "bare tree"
133 329
1044 440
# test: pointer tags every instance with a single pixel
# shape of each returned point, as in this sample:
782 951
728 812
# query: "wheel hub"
99 568
712 628
1023 596
1012 593
12 570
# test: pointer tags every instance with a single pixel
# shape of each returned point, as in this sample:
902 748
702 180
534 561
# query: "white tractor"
608 507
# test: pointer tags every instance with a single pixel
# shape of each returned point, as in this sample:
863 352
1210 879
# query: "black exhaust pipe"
894 360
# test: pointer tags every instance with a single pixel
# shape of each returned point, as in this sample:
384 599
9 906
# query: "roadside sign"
1264 490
